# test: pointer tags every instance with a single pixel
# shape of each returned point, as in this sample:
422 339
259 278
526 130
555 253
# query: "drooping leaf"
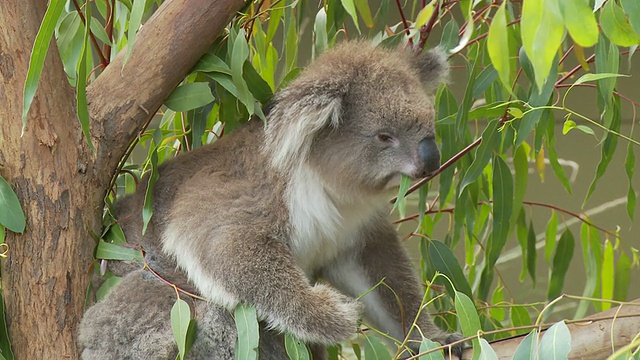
425 14
137 11
427 345
106 287
365 12
11 214
211 63
81 82
39 53
189 96
632 10
486 351
296 349
629 166
520 317
180 323
542 30
401 202
498 46
608 274
109 251
532 253
257 85
528 348
561 262
350 7
550 236
580 21
490 143
556 342
558 170
5 345
616 26
622 277
374 349
502 207
468 319
442 259
246 320
147 207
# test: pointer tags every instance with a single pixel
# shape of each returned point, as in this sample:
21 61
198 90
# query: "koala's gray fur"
264 213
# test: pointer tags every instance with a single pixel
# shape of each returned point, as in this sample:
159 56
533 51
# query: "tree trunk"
594 338
60 183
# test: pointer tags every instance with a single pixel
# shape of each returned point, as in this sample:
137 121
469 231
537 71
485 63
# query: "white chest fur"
322 226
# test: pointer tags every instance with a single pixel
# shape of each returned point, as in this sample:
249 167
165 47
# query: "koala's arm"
384 257
247 267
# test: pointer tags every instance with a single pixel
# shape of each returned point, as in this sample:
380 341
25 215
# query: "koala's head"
360 116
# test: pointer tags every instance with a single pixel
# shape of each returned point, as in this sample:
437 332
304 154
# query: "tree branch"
123 98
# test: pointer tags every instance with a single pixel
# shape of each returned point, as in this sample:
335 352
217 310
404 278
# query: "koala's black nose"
429 155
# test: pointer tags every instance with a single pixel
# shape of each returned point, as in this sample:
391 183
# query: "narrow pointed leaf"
498 46
246 320
39 53
561 262
443 260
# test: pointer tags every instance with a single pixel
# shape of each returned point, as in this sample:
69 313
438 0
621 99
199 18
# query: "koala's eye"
385 138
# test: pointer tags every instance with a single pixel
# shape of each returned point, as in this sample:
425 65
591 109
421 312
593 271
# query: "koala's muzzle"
429 154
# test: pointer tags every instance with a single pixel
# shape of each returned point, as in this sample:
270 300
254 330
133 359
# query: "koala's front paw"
329 317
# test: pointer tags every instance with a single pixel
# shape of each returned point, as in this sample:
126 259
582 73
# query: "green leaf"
468 319
274 22
556 342
135 20
180 322
108 251
238 57
350 7
537 98
608 274
532 253
568 126
622 277
521 167
296 349
484 80
558 170
490 143
593 77
632 10
189 96
401 202
5 345
502 206
147 207
246 319
520 317
374 349
365 12
542 30
561 262
441 258
550 236
321 41
608 62
106 287
528 348
257 85
612 116
426 345
211 63
629 166
11 214
39 53
498 46
81 83
616 25
580 21
425 14
486 352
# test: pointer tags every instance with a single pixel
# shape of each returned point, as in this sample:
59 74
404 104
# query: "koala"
291 217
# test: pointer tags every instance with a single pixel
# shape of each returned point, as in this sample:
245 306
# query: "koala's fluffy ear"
433 68
297 114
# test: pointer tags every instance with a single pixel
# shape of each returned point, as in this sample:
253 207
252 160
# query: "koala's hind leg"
260 271
383 257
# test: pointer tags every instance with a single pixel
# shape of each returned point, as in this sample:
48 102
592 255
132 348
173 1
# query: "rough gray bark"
60 183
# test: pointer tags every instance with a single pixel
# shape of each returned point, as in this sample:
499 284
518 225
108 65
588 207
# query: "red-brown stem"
425 30
111 10
404 20
531 203
574 70
103 61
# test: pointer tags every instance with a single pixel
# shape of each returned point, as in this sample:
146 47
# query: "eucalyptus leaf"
11 214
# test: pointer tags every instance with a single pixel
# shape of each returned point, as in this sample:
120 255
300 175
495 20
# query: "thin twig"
103 60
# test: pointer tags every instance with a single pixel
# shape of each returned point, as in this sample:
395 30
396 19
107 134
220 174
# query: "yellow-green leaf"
498 46
580 21
425 14
607 275
616 25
